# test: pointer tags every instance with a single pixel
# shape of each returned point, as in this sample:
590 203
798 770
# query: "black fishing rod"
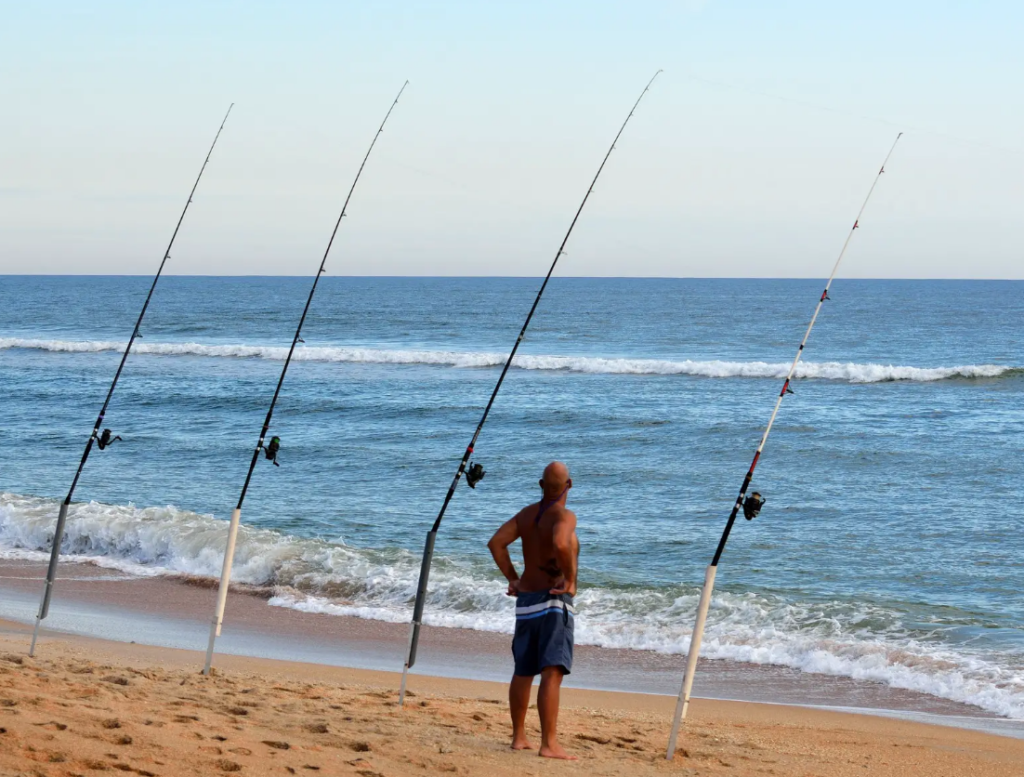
271 449
751 505
104 439
475 473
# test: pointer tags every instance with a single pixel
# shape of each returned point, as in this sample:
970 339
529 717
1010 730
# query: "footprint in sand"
594 738
53 724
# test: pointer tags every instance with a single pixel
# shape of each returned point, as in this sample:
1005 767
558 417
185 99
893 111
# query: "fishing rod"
751 505
272 448
475 472
104 439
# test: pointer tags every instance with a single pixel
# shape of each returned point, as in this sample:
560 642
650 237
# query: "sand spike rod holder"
103 440
428 550
683 703
229 551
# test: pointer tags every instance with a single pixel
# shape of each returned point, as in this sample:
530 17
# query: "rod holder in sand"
683 703
51 575
417 612
222 590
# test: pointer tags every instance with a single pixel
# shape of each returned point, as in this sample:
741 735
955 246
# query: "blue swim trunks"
544 632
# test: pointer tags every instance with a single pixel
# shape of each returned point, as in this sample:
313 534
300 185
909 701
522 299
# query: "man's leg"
518 704
547 706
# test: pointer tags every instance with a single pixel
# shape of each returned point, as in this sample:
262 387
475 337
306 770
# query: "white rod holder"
683 703
222 591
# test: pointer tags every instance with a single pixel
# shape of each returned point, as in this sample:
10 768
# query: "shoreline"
91 704
163 612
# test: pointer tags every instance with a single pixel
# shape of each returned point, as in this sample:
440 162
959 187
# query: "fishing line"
752 505
272 448
475 472
106 438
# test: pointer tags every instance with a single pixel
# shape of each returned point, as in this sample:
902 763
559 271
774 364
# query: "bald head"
556 480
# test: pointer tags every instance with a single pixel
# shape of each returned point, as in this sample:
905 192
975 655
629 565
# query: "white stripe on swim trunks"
549 604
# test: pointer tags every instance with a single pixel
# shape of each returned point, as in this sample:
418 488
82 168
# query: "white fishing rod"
104 439
752 505
275 443
475 472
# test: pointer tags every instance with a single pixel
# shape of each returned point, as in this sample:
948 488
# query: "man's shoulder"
527 511
564 514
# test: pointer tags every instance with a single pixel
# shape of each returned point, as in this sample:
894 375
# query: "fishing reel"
271 450
752 506
474 474
105 439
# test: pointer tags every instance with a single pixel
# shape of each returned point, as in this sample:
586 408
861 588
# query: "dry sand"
86 706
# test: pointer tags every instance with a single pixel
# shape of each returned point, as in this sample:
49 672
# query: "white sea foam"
850 372
837 638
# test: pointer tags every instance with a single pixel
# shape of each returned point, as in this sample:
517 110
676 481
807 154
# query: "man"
544 611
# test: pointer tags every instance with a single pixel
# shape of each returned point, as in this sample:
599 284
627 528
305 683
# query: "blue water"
889 549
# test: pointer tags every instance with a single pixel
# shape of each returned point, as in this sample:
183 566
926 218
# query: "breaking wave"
849 372
845 638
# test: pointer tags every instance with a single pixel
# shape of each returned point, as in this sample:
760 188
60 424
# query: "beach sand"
85 706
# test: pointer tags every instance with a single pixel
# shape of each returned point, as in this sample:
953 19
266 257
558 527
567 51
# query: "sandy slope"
86 706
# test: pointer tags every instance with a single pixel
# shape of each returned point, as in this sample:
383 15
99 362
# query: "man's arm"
564 539
498 545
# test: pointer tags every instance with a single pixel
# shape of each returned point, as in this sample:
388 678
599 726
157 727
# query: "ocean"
889 550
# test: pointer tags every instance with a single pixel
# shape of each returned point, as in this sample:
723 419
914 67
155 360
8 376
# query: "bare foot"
522 743
556 751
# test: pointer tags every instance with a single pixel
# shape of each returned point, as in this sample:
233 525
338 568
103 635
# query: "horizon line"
509 277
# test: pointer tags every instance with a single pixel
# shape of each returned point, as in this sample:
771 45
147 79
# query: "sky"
749 157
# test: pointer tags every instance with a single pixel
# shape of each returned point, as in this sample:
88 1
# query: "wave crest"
849 372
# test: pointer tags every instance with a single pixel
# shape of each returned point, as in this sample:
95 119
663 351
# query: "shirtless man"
544 611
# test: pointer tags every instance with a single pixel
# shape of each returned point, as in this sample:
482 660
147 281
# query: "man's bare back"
541 570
